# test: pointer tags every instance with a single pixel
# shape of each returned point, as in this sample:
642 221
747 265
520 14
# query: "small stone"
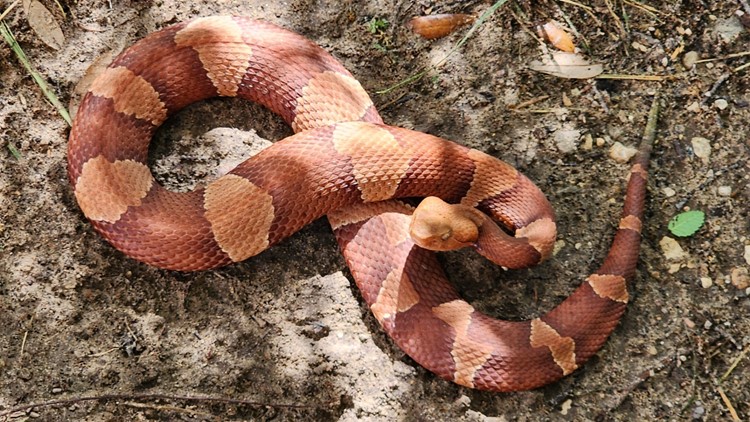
651 350
463 401
747 254
638 46
706 282
708 324
57 390
600 142
567 140
671 249
701 147
566 101
669 192
588 142
729 29
740 278
621 153
689 59
688 323
724 190
695 107
565 408
559 244
698 411
721 104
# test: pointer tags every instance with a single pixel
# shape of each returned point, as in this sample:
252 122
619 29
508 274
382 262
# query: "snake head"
439 226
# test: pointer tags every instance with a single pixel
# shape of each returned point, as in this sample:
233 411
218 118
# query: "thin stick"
728 56
715 87
728 404
161 396
5 13
618 76
734 364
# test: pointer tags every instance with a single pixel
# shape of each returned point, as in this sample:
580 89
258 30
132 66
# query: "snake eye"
447 235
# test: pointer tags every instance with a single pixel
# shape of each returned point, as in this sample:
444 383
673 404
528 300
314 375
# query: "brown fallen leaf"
437 26
43 22
567 65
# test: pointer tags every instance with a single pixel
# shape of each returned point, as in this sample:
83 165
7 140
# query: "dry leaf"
567 65
437 26
44 24
551 32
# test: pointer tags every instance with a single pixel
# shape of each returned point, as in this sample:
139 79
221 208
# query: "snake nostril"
447 235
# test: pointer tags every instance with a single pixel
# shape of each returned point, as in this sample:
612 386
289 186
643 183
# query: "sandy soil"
288 327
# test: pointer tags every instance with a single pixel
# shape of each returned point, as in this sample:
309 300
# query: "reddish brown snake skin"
344 163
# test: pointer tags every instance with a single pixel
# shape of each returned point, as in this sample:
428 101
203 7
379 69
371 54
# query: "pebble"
721 104
695 107
588 142
689 59
706 282
698 411
565 408
638 46
621 153
57 390
740 278
689 323
724 191
651 350
669 192
567 140
747 254
701 147
729 29
671 249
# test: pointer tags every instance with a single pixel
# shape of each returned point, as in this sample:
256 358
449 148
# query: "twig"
620 76
741 68
734 364
161 396
715 87
728 56
23 343
527 103
5 13
728 404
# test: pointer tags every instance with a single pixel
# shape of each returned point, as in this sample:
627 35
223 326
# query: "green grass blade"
11 40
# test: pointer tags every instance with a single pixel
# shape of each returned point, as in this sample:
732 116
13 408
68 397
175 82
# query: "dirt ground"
288 330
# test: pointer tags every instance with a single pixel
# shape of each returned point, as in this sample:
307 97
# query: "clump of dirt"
286 331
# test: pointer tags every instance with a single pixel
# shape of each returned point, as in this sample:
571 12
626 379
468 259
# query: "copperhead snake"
342 162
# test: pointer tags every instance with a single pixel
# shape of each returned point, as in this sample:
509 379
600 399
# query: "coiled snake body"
344 163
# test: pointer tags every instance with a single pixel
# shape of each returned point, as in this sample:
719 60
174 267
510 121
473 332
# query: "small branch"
160 396
714 88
